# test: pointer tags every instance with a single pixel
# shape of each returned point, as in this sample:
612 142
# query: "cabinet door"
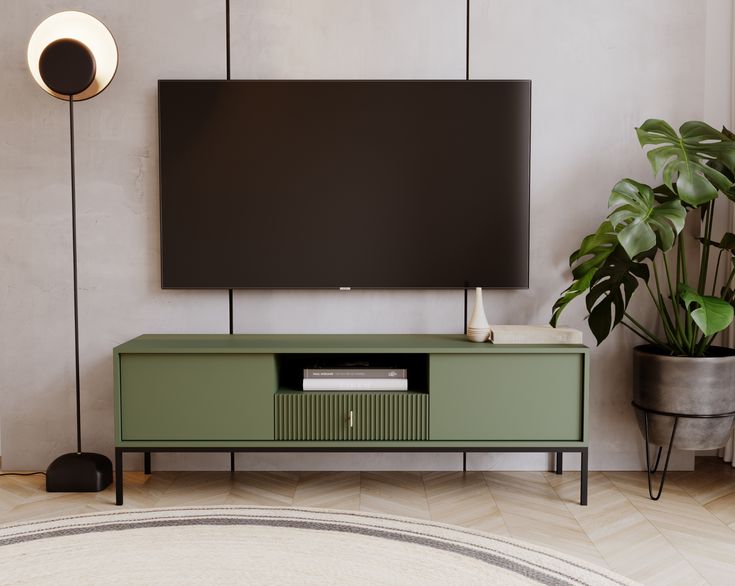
507 397
196 397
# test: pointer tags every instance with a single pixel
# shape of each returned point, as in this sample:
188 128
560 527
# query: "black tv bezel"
347 287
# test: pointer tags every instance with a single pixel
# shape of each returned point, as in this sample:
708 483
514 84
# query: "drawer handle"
350 418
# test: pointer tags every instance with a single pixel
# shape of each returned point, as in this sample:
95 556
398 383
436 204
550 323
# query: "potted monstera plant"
642 248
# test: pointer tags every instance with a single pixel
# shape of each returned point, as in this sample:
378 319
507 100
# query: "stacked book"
522 334
355 379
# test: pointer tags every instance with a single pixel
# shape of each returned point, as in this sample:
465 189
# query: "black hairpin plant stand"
650 471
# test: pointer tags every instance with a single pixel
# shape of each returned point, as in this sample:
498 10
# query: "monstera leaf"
585 262
727 293
719 166
640 219
602 267
611 288
711 314
727 242
683 158
664 194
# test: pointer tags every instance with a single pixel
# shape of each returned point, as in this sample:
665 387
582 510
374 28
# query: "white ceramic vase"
478 329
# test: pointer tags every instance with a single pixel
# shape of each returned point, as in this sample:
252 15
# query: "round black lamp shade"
67 66
72 54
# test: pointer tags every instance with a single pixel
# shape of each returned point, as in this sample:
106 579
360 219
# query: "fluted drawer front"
374 416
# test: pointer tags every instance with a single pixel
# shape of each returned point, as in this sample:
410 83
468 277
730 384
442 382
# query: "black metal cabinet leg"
583 477
147 462
559 462
464 461
118 476
232 461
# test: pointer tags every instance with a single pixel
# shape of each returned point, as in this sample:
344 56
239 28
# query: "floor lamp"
73 57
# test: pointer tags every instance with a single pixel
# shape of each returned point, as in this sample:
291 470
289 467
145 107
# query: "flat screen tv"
361 184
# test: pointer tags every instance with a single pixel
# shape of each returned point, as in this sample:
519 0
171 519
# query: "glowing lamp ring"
88 31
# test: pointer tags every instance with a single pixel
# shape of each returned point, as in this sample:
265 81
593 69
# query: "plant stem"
653 295
648 335
703 344
692 341
674 302
704 263
663 311
638 333
717 271
670 331
729 279
688 324
683 260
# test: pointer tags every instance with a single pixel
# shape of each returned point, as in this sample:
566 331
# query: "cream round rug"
274 546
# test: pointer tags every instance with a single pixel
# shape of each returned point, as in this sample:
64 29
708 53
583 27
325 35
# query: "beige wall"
599 68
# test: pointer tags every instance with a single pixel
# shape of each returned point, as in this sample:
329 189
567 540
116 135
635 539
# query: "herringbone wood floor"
688 537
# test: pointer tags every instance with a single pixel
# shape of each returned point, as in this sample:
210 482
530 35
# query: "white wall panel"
348 39
117 210
599 68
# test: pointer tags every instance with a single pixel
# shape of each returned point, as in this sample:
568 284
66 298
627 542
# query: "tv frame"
346 286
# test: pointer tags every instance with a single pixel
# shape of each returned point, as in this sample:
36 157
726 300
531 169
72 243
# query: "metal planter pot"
686 386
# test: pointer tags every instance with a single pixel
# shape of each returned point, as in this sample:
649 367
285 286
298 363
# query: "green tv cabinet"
237 393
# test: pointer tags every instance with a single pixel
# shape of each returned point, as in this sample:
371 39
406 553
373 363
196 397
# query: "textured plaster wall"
599 68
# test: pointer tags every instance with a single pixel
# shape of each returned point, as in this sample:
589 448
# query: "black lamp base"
79 472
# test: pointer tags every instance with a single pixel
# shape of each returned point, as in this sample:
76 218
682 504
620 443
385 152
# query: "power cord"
21 473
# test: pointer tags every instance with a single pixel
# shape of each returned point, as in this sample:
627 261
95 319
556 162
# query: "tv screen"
362 184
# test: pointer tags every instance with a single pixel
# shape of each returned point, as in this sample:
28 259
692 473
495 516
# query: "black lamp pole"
74 257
